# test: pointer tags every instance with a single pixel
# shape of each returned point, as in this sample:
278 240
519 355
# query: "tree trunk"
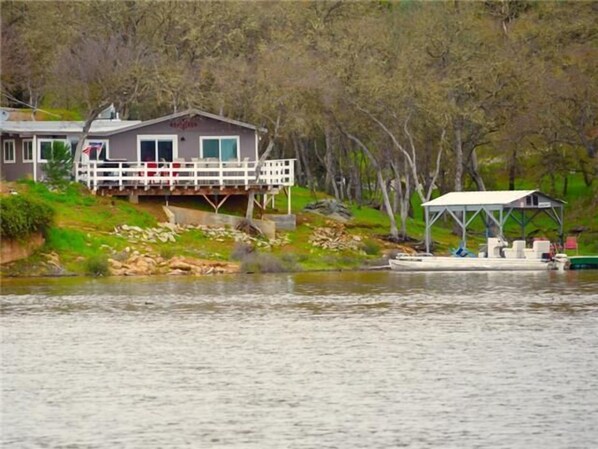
381 182
300 172
91 116
303 156
329 164
512 169
458 148
474 171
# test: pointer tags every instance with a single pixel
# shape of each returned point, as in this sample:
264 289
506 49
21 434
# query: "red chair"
571 243
152 165
175 170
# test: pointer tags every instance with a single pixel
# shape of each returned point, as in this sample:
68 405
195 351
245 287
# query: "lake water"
311 360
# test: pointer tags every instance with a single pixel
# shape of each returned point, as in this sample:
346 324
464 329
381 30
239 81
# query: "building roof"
107 127
483 198
183 114
59 127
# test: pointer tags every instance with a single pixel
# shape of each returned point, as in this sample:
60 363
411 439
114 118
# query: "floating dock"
583 262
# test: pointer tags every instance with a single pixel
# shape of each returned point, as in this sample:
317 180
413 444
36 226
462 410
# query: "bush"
261 263
97 265
167 252
60 165
20 216
371 248
241 251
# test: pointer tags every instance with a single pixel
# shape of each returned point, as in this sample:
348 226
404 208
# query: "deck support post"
427 230
250 203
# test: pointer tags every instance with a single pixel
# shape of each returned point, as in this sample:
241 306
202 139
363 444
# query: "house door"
156 149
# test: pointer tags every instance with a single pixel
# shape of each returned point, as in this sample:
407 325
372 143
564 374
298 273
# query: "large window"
157 148
45 148
221 148
27 146
9 151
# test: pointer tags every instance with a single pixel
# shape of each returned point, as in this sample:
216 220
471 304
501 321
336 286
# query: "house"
187 153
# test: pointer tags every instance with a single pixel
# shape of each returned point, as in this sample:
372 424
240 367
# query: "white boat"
498 257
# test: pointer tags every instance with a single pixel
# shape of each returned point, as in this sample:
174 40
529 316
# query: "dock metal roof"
464 207
486 198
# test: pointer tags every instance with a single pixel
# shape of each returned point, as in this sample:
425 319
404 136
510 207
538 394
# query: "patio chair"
571 244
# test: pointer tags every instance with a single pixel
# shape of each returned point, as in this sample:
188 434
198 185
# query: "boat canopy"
499 206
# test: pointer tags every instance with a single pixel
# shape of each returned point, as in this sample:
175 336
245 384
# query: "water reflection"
352 360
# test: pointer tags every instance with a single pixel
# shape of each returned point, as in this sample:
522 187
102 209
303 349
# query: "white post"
35 157
95 176
289 202
220 177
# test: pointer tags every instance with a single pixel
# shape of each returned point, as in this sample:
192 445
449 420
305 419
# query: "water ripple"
351 360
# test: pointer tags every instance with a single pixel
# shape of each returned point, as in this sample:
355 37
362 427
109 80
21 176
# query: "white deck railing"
97 174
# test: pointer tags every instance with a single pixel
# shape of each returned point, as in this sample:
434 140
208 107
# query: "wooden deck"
121 178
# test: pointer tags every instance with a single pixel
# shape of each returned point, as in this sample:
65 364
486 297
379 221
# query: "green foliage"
97 265
21 216
370 247
59 166
167 252
262 263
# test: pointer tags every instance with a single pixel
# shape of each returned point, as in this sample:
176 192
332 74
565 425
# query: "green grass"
82 234
75 207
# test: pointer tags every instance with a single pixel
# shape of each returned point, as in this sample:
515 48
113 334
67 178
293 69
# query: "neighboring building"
26 144
188 153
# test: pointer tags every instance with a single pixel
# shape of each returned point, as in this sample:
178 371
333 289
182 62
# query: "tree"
60 164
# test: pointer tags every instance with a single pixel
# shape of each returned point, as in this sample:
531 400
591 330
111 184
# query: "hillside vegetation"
83 236
423 97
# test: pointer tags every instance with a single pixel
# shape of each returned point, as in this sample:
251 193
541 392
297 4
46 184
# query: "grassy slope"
84 225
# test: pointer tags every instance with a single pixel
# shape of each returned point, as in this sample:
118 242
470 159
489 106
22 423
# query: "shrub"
371 248
167 252
289 262
241 251
20 216
261 263
60 164
97 265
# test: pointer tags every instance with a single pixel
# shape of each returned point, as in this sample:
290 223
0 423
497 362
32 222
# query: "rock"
334 238
179 265
115 264
330 208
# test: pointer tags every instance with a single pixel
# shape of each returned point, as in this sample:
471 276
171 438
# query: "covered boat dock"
497 207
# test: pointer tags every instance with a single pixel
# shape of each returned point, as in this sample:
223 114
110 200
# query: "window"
45 148
9 151
221 148
95 150
157 148
27 146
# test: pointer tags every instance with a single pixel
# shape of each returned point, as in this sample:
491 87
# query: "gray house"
187 153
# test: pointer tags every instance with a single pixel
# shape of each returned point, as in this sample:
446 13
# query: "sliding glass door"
156 148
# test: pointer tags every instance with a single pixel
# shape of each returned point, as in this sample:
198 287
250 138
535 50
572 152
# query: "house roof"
183 114
107 127
484 198
60 127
